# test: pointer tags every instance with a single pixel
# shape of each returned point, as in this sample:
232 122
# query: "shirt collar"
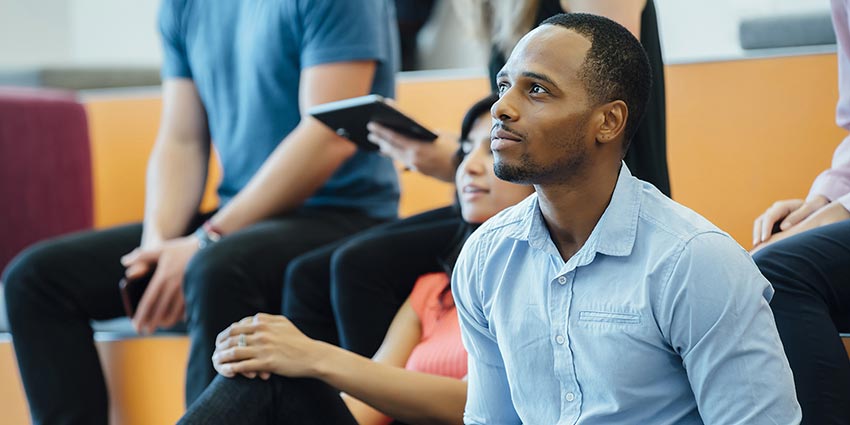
613 235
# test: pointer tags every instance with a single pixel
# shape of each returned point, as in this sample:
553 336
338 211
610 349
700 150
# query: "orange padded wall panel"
122 131
438 103
745 133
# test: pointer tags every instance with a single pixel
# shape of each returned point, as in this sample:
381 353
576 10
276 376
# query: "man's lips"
504 135
501 138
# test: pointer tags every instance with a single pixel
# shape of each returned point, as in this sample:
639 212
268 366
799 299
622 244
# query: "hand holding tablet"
349 117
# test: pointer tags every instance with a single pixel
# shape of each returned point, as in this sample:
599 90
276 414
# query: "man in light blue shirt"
598 300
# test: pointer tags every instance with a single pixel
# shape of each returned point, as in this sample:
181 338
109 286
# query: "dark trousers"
279 400
54 288
347 293
811 275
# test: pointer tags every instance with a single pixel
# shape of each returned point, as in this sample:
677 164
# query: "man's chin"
512 173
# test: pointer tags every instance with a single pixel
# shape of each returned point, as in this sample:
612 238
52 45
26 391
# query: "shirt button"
571 397
560 339
562 280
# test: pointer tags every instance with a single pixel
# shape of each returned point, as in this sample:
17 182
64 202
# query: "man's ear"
612 122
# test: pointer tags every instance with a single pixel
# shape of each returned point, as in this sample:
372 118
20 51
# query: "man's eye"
502 87
538 89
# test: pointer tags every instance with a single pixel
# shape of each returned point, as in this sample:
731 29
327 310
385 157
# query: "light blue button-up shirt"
660 318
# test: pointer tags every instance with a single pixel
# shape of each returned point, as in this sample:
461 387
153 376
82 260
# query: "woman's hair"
500 22
449 257
475 112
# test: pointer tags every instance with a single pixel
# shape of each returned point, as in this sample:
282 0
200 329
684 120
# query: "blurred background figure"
503 22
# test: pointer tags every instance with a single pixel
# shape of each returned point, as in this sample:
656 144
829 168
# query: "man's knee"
24 279
209 278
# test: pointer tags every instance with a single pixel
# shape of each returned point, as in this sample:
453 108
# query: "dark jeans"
279 400
811 275
54 288
348 293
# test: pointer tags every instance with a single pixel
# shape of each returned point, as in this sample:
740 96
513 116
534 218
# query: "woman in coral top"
417 374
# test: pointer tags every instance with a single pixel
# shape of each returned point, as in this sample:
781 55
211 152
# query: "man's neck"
572 209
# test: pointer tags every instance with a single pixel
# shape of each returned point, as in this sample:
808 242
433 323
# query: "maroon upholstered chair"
45 168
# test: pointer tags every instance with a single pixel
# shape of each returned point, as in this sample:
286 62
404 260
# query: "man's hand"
833 212
162 305
270 344
435 159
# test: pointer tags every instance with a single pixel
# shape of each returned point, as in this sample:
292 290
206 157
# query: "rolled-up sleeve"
719 321
834 183
488 396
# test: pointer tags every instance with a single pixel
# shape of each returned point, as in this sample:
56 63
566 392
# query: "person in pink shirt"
417 376
803 248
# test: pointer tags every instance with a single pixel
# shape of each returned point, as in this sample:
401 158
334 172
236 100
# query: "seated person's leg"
53 290
373 274
811 274
243 274
307 298
280 400
306 294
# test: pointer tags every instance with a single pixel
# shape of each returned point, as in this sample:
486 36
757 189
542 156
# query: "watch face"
204 238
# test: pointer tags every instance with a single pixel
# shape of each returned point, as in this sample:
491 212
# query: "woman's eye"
502 87
466 147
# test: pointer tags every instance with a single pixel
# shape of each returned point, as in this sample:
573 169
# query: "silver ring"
242 342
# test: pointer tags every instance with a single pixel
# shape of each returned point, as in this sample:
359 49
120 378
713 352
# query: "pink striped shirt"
834 183
440 351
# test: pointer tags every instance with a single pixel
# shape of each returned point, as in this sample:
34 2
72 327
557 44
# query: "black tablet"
349 117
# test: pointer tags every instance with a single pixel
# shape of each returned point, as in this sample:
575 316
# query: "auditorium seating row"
741 134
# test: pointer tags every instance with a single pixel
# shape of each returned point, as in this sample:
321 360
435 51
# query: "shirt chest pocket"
608 317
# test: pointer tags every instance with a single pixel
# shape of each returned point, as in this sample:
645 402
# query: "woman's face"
481 193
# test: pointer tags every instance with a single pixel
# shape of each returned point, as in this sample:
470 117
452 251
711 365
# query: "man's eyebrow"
541 77
529 74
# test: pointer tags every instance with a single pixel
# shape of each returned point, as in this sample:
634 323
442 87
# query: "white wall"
700 29
34 32
115 32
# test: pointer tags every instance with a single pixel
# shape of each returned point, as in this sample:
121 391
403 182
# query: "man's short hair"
616 66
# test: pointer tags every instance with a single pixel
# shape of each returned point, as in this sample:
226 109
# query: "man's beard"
527 171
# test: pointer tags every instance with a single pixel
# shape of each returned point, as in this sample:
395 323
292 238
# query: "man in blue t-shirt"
237 75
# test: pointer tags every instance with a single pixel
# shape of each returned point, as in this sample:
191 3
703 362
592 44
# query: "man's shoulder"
676 232
669 219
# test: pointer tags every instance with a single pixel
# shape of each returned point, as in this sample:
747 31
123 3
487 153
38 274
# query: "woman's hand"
787 213
433 158
832 212
263 344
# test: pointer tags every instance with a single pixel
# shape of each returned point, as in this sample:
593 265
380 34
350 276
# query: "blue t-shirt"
245 57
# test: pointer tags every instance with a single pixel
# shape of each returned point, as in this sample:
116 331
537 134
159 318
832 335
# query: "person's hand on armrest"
435 159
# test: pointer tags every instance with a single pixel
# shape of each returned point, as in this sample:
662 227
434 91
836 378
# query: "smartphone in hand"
132 291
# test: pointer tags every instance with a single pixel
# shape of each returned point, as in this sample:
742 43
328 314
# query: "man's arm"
307 157
177 171
177 168
715 313
299 166
488 395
